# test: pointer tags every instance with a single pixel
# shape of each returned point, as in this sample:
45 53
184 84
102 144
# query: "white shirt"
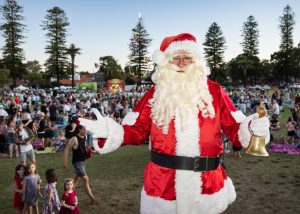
275 108
27 147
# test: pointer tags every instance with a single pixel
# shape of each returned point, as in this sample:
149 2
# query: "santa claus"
183 113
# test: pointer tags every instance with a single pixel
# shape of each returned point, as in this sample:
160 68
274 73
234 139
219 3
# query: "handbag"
88 152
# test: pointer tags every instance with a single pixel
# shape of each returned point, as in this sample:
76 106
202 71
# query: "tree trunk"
72 70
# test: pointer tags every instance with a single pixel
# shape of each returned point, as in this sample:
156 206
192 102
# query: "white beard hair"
185 92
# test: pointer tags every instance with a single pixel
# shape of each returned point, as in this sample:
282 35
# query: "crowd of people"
32 120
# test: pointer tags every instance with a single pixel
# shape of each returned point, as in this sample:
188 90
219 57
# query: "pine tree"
250 34
250 43
139 43
12 31
282 59
56 24
287 23
214 47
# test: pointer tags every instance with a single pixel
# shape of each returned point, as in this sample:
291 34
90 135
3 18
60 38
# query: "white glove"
259 127
97 127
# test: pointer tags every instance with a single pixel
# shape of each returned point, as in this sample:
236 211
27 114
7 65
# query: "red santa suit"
167 190
209 192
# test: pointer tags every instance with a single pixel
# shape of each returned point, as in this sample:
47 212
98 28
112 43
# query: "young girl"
12 146
290 125
51 203
18 186
31 188
69 199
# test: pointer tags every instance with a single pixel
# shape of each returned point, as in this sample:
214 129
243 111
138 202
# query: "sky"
103 27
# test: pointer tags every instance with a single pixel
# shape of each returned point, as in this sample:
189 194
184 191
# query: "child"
69 199
12 146
290 125
60 142
51 203
31 188
18 186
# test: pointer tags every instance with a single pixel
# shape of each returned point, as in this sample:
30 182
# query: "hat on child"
18 123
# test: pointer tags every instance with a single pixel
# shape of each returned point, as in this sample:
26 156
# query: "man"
184 114
24 137
78 146
275 109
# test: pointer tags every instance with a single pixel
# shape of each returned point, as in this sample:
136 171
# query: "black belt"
196 164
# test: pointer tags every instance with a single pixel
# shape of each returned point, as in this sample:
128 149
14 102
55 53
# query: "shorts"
291 133
80 168
30 154
41 134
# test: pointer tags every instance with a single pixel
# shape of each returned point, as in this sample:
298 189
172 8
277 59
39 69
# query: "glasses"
177 59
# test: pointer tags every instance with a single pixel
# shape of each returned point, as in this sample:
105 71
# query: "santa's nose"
181 63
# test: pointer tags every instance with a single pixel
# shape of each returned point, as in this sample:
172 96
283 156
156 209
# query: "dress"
54 205
18 203
31 195
69 199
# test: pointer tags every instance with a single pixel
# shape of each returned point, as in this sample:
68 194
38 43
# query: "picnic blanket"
291 149
45 151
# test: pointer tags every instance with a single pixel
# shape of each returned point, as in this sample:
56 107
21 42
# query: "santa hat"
184 42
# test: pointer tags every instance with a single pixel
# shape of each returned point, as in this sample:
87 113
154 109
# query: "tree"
110 68
214 47
73 51
5 77
33 66
283 58
139 43
250 34
56 24
37 79
242 68
12 31
295 60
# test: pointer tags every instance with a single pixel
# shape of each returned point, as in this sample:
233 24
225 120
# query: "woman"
41 128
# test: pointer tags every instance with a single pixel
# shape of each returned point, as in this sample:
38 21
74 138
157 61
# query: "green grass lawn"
263 185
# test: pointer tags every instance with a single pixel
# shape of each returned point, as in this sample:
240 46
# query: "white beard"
183 92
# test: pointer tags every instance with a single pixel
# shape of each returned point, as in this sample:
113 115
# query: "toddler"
51 203
69 199
31 188
18 187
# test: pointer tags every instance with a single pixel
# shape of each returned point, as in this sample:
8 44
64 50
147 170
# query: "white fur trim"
156 205
158 57
115 137
187 141
208 204
185 45
130 118
244 133
238 116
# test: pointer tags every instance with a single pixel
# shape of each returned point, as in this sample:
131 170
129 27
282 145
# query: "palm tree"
73 51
